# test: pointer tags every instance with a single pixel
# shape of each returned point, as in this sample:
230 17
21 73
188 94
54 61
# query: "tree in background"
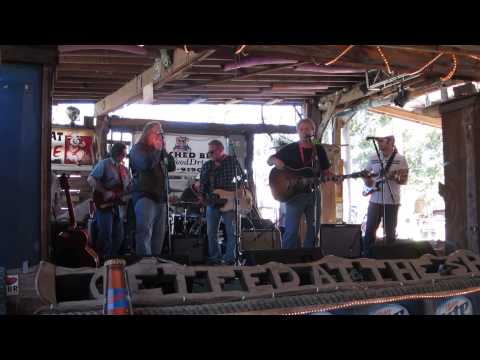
423 154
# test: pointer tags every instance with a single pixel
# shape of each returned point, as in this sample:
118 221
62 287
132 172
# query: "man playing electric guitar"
299 155
396 169
218 174
110 179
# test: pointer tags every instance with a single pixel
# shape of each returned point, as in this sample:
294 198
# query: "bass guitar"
71 247
287 182
392 175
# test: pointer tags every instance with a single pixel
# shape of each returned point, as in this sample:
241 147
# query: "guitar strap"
211 176
390 160
119 169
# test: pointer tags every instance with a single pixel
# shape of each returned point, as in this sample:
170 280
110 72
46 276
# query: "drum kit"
185 219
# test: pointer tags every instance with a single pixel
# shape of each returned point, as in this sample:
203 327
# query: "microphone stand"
238 219
383 180
317 240
167 187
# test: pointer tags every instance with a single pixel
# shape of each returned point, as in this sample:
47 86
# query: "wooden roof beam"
408 115
133 90
112 68
455 49
244 76
106 60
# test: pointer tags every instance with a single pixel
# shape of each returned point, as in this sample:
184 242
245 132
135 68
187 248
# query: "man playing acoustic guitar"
301 155
217 176
396 168
110 179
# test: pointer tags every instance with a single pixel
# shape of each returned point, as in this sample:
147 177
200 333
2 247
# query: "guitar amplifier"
343 240
260 239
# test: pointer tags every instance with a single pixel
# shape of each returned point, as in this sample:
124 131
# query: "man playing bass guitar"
396 169
110 179
301 155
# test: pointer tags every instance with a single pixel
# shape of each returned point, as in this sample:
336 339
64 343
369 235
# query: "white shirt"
373 165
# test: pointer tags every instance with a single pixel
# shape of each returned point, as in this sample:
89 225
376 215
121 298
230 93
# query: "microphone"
373 138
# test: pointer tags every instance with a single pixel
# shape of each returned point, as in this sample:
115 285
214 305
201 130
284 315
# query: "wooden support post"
461 129
328 190
313 113
330 108
471 181
249 139
45 162
101 131
338 169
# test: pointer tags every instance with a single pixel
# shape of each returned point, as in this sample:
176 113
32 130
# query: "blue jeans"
150 226
374 216
110 231
295 207
213 220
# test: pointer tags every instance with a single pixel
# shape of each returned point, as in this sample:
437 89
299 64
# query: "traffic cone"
117 292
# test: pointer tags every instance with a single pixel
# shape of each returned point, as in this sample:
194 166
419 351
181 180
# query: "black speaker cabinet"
402 249
284 256
260 239
343 240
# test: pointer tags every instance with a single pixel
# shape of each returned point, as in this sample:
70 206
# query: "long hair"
146 130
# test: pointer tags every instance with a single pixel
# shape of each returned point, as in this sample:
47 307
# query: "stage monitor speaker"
284 256
402 249
260 239
343 240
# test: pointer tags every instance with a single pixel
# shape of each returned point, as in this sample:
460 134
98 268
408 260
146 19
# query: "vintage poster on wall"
190 152
72 148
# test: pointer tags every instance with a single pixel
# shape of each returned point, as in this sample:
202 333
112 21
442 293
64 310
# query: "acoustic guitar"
225 200
72 246
287 182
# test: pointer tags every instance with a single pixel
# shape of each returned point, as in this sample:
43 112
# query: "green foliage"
360 126
425 160
280 140
424 157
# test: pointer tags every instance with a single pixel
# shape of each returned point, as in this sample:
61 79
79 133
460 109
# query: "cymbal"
172 189
185 204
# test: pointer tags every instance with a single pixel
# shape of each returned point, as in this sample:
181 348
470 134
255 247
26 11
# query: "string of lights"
339 56
452 71
240 49
439 295
427 64
384 60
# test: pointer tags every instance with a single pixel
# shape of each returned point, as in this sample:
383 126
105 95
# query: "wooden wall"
461 147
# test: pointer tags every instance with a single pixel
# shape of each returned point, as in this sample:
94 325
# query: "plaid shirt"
222 175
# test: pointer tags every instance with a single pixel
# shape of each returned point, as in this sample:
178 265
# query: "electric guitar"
392 175
120 198
71 247
225 200
288 182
